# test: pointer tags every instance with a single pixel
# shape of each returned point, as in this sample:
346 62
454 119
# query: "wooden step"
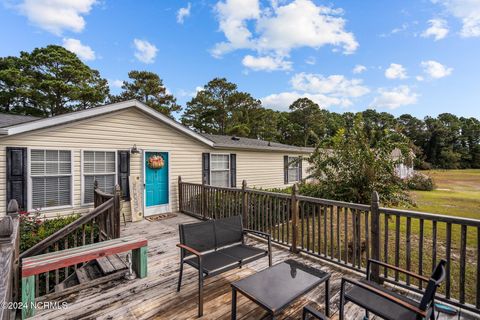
83 275
111 264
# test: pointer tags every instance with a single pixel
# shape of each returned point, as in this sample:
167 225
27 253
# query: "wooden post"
245 204
12 208
203 205
180 194
28 297
139 261
295 209
375 235
95 196
117 195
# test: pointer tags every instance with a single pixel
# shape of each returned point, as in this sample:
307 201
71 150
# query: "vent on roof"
235 138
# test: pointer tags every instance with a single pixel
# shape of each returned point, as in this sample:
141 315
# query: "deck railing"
9 247
102 223
349 234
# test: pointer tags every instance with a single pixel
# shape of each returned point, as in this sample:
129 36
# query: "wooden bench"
64 258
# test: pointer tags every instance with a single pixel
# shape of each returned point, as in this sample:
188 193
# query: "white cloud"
335 85
281 101
395 97
83 51
145 51
183 13
396 71
334 90
277 29
359 69
419 78
438 29
468 11
435 70
266 63
55 16
115 83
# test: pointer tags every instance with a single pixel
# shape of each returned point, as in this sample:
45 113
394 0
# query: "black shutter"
17 176
233 170
206 168
285 169
124 173
300 170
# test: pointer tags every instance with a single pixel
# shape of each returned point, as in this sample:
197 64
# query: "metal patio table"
275 288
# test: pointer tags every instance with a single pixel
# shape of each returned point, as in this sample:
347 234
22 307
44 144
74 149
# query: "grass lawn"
457 193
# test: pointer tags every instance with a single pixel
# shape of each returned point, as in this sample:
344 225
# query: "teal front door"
156 179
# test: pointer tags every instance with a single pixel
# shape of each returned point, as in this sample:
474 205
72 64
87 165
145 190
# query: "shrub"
33 229
348 168
420 181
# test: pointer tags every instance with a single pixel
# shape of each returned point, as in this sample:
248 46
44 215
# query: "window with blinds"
293 169
220 170
51 174
100 166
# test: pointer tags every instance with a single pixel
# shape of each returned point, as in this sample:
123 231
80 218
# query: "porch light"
134 150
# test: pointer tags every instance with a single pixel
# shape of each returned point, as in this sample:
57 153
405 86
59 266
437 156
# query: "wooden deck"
155 297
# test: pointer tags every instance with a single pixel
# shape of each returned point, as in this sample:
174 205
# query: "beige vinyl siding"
261 169
122 129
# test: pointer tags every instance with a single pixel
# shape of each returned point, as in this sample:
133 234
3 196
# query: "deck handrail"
348 234
101 223
9 272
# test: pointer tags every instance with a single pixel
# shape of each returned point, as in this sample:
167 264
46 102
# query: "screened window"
220 170
51 173
293 169
99 166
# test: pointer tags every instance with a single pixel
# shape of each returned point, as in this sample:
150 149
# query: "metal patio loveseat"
216 246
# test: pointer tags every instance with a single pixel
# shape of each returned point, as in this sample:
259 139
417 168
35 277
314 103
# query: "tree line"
52 80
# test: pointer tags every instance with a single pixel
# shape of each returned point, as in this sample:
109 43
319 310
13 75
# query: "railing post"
203 205
117 209
95 195
295 209
245 203
180 194
375 236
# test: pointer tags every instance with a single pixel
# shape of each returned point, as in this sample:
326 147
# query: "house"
51 164
403 169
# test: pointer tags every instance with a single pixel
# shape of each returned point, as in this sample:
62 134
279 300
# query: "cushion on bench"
199 236
228 231
244 253
213 262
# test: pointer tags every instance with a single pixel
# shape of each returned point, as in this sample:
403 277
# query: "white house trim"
97 111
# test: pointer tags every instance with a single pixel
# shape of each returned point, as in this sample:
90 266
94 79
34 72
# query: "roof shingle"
7 120
233 142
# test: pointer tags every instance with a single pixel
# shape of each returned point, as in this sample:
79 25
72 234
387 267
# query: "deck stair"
109 267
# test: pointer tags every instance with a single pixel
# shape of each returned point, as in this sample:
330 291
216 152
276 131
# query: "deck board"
155 297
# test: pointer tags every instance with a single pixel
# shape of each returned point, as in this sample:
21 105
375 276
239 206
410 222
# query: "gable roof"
97 111
14 124
7 120
232 142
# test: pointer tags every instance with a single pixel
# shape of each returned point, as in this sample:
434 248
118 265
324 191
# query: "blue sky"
419 57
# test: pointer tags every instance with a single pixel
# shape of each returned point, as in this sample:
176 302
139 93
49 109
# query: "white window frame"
30 181
228 170
293 163
82 174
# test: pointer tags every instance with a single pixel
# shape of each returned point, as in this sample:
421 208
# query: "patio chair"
388 304
216 246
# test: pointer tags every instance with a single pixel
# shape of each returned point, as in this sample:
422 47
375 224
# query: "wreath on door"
156 162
